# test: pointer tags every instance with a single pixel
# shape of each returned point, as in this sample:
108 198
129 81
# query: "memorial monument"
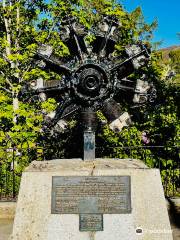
74 199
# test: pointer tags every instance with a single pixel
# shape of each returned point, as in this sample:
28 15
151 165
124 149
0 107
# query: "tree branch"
7 22
5 89
7 80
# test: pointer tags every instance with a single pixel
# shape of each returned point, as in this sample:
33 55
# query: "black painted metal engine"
93 77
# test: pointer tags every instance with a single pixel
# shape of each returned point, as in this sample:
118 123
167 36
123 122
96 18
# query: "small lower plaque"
90 222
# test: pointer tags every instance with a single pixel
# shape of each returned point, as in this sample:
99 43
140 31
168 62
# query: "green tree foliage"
175 64
27 24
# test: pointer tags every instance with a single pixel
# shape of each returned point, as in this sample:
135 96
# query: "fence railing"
13 160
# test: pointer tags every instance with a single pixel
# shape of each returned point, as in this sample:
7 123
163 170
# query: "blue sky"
167 12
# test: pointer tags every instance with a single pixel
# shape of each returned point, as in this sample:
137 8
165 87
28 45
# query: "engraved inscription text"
84 194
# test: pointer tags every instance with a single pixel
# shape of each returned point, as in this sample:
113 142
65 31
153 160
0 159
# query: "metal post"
89 126
89 145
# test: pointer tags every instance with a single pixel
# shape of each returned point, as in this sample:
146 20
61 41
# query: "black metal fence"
13 160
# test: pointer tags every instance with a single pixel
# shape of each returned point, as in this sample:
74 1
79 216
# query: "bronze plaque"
90 194
90 222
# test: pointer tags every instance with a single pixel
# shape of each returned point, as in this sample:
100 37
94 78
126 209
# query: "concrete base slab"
147 221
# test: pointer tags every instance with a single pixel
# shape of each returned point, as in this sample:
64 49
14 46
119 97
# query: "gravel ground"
5 228
176 232
174 216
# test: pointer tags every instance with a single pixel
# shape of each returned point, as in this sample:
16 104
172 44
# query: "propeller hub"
90 82
90 79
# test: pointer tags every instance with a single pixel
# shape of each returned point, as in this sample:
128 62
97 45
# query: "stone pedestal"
148 219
